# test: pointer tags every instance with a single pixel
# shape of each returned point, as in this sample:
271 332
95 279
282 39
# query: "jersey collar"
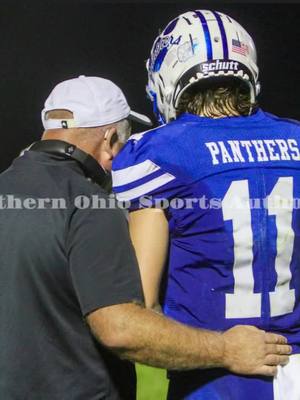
257 116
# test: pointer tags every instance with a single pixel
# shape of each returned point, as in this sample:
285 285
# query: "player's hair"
220 97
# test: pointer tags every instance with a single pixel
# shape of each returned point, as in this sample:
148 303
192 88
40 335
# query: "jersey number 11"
243 302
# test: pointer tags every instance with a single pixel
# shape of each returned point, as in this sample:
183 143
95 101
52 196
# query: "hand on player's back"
250 351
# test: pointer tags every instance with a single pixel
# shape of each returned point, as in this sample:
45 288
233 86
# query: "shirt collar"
257 116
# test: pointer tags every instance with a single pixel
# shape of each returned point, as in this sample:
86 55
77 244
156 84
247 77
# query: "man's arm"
105 277
150 236
149 233
143 335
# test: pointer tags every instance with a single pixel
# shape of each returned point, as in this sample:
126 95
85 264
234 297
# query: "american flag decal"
239 47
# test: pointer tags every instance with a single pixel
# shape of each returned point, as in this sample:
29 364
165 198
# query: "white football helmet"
198 45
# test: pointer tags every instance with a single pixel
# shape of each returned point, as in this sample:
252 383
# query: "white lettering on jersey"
225 155
270 146
295 153
214 151
260 150
283 147
236 150
241 151
247 144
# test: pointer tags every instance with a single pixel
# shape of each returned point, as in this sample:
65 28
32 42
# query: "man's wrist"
215 350
219 350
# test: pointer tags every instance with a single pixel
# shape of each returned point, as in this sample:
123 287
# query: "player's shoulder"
142 147
292 123
146 136
143 166
150 136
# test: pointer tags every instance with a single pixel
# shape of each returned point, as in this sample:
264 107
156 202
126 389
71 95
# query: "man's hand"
249 351
142 335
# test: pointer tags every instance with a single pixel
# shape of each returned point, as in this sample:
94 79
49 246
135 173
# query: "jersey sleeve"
139 178
103 266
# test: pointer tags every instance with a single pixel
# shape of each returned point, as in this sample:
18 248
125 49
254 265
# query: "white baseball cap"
93 101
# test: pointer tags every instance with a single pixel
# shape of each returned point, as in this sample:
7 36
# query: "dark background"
47 42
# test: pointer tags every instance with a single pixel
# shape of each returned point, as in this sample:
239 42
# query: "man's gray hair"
123 130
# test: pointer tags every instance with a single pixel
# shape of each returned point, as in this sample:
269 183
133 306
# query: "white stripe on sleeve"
145 188
138 136
132 174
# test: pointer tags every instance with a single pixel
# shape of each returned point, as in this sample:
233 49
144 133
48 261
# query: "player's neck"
214 113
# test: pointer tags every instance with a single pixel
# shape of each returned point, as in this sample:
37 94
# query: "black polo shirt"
57 264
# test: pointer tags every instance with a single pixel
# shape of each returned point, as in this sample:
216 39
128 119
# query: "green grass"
152 383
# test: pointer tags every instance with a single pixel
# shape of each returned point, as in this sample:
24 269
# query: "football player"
213 199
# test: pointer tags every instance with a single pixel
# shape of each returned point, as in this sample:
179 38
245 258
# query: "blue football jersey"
230 188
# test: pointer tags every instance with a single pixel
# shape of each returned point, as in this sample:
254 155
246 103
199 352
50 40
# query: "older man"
71 298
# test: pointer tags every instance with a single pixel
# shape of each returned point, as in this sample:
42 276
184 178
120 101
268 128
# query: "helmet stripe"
206 34
171 26
223 34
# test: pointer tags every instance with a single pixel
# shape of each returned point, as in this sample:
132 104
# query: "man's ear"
110 141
